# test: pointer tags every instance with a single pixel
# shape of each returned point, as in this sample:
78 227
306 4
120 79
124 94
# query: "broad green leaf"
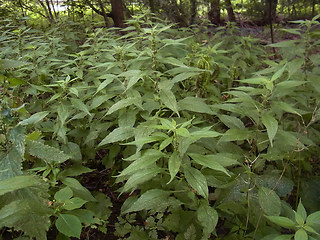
148 200
185 75
231 122
301 211
301 235
236 135
165 143
284 44
208 162
174 165
271 124
69 225
285 107
194 104
6 64
313 218
63 194
269 201
18 182
27 215
46 153
63 113
140 177
205 133
78 189
117 135
108 79
77 103
295 31
183 132
278 73
169 100
35 118
133 75
282 221
256 80
122 104
208 218
197 181
149 157
74 203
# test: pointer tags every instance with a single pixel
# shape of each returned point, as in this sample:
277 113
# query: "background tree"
214 13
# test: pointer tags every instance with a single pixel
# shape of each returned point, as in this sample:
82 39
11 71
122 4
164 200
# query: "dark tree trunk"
152 6
47 14
270 10
194 7
229 7
214 13
117 13
49 11
313 7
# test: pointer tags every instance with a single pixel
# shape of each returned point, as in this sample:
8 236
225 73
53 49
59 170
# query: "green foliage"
202 139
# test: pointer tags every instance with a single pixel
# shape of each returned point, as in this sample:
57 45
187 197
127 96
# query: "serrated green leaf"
148 200
231 122
63 194
27 215
46 153
301 235
133 75
140 177
282 221
18 182
205 133
165 143
185 75
77 103
197 181
236 135
278 73
169 100
183 132
208 162
78 189
149 157
208 218
194 104
174 165
10 64
271 124
117 135
35 118
269 201
69 225
108 79
313 218
122 104
302 211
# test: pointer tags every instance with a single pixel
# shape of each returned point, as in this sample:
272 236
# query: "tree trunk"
229 7
194 7
152 6
49 11
117 13
214 13
47 15
270 10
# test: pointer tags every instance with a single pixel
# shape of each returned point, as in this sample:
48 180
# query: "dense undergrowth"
204 137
